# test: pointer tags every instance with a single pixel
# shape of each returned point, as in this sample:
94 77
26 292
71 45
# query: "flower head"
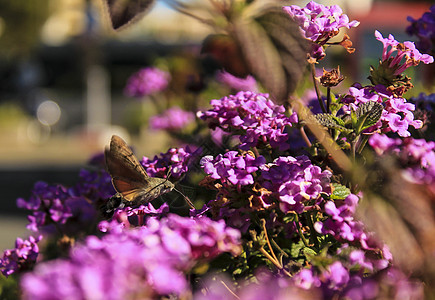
47 204
146 82
397 115
295 181
320 23
254 116
173 118
396 58
239 84
405 51
176 160
143 262
232 168
22 258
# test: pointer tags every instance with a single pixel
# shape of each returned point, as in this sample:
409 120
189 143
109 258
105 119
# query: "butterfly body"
129 178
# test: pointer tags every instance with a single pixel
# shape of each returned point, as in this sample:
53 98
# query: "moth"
130 180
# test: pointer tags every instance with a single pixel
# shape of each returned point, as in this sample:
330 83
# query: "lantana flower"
320 23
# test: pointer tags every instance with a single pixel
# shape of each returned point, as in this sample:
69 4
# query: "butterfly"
130 180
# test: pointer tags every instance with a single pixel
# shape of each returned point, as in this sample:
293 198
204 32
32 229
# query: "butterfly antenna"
185 199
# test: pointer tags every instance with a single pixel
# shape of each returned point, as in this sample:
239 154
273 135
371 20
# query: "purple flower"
172 119
405 51
147 81
424 29
338 275
145 262
176 160
94 185
306 279
47 204
253 116
22 258
239 84
390 283
296 182
319 23
397 115
266 286
416 155
232 168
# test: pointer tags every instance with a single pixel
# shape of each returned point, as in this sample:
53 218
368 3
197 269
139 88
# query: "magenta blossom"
172 119
239 84
175 160
146 82
254 116
319 23
296 182
22 258
407 54
397 115
232 168
146 262
417 155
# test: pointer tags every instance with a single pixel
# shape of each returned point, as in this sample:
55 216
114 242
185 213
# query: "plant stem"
363 141
263 223
298 226
304 136
328 99
229 290
313 235
316 87
275 262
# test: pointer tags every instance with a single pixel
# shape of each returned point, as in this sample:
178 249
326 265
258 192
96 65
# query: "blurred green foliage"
22 21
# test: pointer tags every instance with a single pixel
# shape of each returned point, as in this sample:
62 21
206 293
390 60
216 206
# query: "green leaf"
272 47
309 253
339 192
367 115
296 249
331 121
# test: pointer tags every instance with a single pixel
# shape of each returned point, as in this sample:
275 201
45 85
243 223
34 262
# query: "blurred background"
63 70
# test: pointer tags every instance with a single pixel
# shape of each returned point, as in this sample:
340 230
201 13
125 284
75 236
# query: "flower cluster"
47 204
147 81
341 223
172 119
397 114
140 263
335 280
175 160
319 24
232 168
94 185
296 182
424 29
396 58
239 84
22 258
254 116
406 52
417 155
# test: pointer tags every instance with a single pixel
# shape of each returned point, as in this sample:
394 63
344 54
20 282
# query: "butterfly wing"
129 178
